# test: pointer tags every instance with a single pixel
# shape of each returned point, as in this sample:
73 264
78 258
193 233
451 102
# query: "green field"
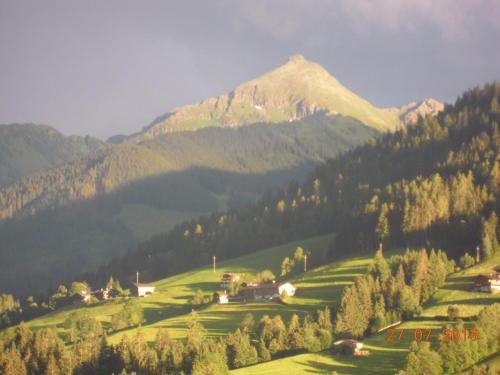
388 357
457 290
168 306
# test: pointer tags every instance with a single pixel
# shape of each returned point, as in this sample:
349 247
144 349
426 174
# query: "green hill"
82 214
290 92
28 148
169 305
434 184
387 357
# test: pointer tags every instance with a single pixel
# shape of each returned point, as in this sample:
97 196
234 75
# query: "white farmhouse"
143 290
288 288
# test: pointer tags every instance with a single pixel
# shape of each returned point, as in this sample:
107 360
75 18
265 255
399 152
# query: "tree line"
454 355
42 352
393 290
435 184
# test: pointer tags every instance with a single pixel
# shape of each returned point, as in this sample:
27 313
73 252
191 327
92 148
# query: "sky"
106 67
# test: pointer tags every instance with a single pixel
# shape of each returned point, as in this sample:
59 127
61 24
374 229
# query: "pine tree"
239 351
295 339
263 352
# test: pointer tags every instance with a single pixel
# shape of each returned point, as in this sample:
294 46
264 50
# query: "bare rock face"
412 112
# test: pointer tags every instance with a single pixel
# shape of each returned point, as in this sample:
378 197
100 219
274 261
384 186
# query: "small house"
221 297
83 296
481 283
287 288
495 280
349 346
102 294
259 292
266 291
228 278
143 290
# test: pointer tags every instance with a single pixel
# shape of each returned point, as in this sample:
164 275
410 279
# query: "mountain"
82 214
291 92
412 112
28 148
261 136
435 184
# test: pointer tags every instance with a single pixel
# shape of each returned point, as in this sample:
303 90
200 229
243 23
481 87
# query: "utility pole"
380 248
214 258
137 278
478 254
305 263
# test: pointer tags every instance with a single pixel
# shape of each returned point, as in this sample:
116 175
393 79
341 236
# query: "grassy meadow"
388 357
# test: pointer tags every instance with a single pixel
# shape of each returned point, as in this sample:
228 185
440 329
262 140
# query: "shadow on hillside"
329 279
316 367
474 301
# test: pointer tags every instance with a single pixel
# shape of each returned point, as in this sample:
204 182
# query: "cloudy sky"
106 67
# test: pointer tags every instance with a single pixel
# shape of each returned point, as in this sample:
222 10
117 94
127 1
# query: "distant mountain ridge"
291 92
29 148
410 113
264 134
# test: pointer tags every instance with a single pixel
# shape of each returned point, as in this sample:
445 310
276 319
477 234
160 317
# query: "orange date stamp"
395 335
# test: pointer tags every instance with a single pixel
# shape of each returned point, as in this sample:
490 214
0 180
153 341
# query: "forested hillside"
435 184
28 148
82 214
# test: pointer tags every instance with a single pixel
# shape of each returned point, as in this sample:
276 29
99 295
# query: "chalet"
349 346
228 278
495 280
143 290
221 297
83 296
481 283
288 288
266 291
102 294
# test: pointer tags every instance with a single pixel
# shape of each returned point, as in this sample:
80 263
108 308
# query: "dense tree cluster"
434 184
131 315
459 347
10 309
43 352
393 290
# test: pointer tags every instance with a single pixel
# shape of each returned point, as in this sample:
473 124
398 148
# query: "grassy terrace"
386 357
322 286
168 306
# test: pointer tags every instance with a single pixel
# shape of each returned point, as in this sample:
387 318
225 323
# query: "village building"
259 292
495 280
287 288
221 297
349 346
481 283
143 290
83 296
488 283
228 278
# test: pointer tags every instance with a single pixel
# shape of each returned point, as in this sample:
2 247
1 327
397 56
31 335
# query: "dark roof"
482 280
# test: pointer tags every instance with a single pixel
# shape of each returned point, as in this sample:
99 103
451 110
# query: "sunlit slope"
292 91
387 357
168 307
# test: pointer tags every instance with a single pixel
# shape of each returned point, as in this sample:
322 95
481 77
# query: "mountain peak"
290 92
410 113
296 58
